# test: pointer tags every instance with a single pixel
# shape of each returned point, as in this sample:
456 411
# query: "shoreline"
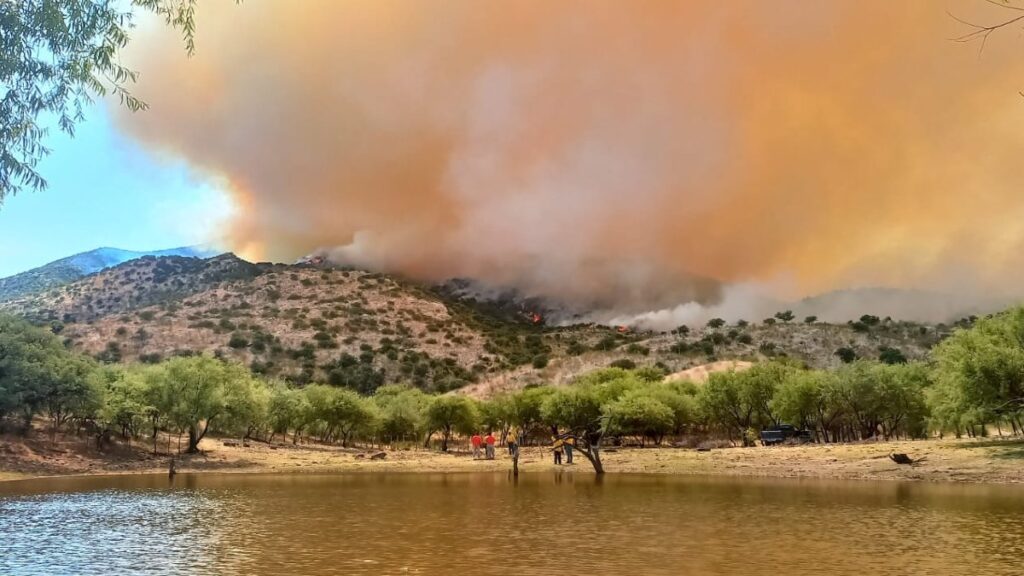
976 461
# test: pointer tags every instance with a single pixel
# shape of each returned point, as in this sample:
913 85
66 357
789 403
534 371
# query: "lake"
489 524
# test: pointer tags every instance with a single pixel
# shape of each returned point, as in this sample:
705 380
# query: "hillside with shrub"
312 323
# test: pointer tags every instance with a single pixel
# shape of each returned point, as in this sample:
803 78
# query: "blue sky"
105 190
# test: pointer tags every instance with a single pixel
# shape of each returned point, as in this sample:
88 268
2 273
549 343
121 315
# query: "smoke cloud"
663 159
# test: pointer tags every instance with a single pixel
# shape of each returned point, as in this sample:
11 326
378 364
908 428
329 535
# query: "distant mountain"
67 270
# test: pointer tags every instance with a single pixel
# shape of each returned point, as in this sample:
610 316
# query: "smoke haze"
657 161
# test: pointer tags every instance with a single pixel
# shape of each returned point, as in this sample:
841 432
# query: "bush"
845 354
540 361
609 342
786 316
638 349
888 355
680 347
238 341
575 349
624 363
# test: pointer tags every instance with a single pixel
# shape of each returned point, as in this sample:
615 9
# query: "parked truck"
785 433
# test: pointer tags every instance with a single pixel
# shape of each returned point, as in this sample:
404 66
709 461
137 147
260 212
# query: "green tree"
982 368
578 409
786 316
857 391
496 414
451 414
798 399
716 323
246 406
640 413
71 392
124 409
525 409
194 392
55 57
403 411
286 410
342 413
739 401
901 396
37 373
681 398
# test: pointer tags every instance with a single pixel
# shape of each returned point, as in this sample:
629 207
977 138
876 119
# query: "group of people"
486 443
560 446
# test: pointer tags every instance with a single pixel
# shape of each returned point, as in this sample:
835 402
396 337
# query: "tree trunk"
193 440
515 460
596 460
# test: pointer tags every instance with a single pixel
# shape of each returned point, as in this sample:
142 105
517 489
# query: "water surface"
487 524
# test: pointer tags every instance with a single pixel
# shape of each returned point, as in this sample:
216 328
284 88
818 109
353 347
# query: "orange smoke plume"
633 155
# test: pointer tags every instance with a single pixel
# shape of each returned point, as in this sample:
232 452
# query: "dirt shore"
992 460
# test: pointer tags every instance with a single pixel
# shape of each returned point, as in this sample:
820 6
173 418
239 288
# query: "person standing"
477 441
490 446
568 450
556 448
512 442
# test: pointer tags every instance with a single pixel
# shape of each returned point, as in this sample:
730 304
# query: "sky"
645 158
106 191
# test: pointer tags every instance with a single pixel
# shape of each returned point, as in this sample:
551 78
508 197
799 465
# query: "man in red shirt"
477 441
490 445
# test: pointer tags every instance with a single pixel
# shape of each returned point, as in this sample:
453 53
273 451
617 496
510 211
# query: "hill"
67 270
306 323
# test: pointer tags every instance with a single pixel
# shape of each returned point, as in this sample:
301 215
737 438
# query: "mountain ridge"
71 268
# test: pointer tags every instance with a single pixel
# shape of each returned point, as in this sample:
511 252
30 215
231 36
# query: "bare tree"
981 32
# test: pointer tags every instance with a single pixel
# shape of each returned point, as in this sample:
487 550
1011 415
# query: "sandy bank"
985 460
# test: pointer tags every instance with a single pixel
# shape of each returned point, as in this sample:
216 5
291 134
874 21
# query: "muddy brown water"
489 524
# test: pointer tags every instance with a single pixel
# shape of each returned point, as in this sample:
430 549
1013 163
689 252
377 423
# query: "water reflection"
495 524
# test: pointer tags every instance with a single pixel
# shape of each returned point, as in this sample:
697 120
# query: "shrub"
609 342
680 347
638 349
786 316
888 355
624 363
845 354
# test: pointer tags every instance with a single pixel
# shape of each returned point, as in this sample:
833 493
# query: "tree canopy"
56 56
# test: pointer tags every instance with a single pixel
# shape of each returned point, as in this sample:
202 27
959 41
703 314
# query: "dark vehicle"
784 433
